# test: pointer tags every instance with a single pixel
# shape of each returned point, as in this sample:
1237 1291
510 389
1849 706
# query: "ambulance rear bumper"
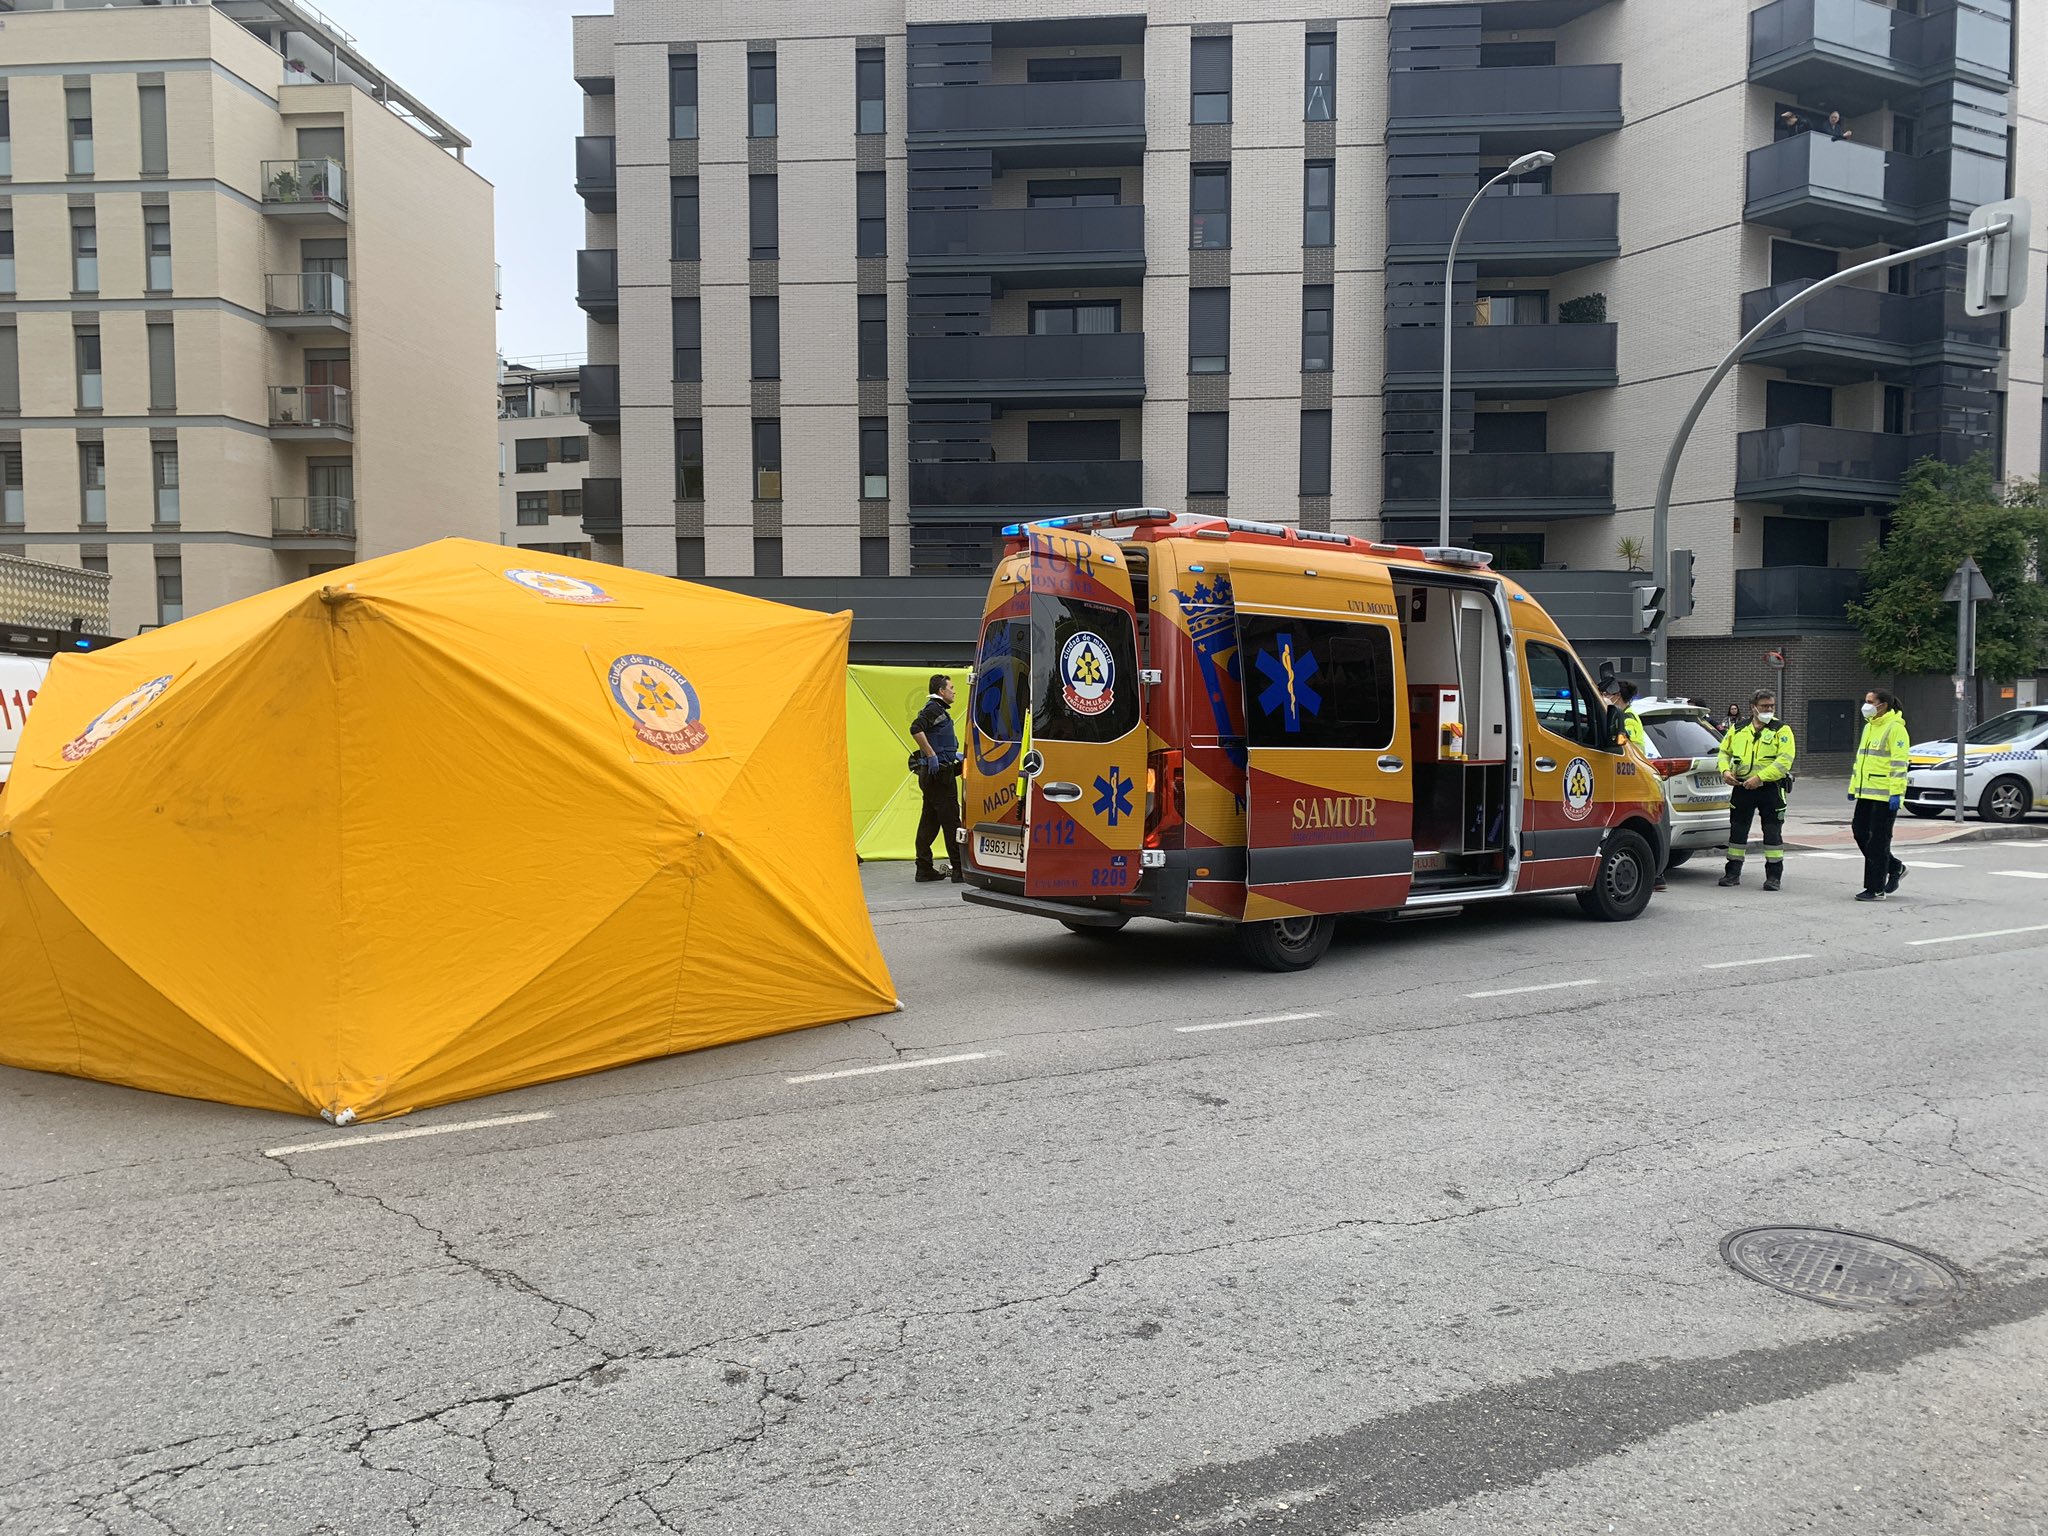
1038 906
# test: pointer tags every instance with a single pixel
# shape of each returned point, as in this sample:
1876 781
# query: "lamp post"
1535 160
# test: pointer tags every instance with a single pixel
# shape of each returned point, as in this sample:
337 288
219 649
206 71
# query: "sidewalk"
1817 819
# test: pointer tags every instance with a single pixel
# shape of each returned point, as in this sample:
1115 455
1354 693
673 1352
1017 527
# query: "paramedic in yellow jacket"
1877 783
1756 762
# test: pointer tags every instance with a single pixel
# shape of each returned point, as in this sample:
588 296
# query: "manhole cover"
1842 1269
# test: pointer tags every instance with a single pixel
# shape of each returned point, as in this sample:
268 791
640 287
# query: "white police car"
2005 773
1686 750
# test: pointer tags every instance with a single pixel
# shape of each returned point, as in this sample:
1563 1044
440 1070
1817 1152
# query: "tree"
1947 511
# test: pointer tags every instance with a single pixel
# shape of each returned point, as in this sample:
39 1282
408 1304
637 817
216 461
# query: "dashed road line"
1548 986
1271 1018
2022 874
408 1134
1729 965
1989 933
893 1066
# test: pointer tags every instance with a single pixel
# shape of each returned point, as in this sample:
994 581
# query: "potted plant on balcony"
1630 549
284 186
1587 309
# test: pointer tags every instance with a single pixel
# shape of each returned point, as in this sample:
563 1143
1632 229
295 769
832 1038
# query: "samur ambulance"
1252 726
21 679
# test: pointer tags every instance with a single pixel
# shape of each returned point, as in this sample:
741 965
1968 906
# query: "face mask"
1870 711
1764 717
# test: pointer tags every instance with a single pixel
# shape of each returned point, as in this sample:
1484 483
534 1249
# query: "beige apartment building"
247 314
543 452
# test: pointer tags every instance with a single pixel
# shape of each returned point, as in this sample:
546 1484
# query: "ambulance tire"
1288 944
2007 799
1628 870
1678 856
1094 930
1925 812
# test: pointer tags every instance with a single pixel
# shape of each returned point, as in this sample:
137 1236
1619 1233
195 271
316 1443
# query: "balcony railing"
597 174
597 282
311 184
1853 53
1505 360
1838 464
312 406
1795 597
1864 329
1843 193
603 508
309 294
1085 242
1504 485
597 395
313 517
1559 104
1509 235
1094 367
1032 485
1053 111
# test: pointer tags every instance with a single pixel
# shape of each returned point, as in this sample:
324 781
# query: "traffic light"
1996 279
1650 613
1682 590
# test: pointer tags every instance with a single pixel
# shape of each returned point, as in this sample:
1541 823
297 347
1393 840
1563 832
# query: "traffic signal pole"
1660 525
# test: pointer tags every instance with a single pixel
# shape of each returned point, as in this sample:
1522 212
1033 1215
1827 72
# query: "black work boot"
1774 876
1732 875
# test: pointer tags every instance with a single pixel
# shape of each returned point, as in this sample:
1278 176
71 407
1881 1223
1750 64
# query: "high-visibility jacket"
1633 724
1882 758
1765 752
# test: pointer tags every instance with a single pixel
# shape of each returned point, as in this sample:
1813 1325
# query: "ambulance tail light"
1165 784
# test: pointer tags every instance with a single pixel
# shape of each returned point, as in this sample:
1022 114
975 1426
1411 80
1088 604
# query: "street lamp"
1535 160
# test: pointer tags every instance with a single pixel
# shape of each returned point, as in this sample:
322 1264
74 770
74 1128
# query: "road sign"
1966 589
1996 277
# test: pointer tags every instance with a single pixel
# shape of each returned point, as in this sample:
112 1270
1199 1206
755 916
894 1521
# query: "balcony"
1856 54
1024 370
1838 192
306 303
1512 110
1509 236
1792 599
603 509
312 413
597 394
1835 464
1053 247
312 191
1848 333
597 285
1503 487
1505 362
312 522
1063 122
1032 488
597 172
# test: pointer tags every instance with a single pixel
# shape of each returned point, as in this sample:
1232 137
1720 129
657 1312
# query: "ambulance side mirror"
1617 727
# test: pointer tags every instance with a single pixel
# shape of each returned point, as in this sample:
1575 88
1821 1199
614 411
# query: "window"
760 95
1082 317
690 461
687 317
1318 203
690 556
682 96
170 589
156 243
1563 700
572 503
871 213
762 222
530 456
874 458
874 554
766 314
78 116
93 563
10 369
1321 106
1315 453
533 509
1316 682
166 481
870 89
86 344
1510 308
1517 55
163 367
872 343
6 138
85 252
1057 623
682 218
767 557
1046 71
92 482
13 499
1208 330
1209 207
156 154
1208 453
1315 328
1210 80
1106 192
6 250
572 450
767 460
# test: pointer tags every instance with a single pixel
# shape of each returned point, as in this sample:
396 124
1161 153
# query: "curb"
1983 832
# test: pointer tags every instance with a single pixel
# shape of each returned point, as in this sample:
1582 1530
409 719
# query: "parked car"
2004 777
1685 742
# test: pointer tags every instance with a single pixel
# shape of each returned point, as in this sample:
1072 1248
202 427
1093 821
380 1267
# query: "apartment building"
866 284
543 452
246 302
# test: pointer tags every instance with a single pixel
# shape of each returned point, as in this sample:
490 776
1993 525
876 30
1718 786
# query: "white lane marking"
1927 864
1548 986
1729 965
1271 1018
408 1134
893 1066
1856 856
1989 933
2022 874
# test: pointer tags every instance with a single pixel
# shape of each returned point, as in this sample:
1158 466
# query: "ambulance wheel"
1678 856
1094 930
2005 799
1627 872
1925 812
1287 943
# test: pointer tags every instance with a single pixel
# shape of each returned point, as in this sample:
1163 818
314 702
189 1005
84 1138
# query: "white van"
21 679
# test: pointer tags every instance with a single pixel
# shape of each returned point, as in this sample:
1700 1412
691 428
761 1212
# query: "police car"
1686 749
2005 773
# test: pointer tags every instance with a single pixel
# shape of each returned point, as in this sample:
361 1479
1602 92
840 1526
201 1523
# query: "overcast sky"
499 71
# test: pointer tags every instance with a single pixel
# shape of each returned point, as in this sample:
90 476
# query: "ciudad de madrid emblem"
117 715
567 589
660 702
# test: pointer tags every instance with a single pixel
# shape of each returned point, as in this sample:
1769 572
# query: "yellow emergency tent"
880 704
443 823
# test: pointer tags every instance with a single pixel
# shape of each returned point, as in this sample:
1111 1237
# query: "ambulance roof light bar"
1441 554
1123 517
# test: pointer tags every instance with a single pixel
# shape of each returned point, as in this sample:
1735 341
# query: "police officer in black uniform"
938 776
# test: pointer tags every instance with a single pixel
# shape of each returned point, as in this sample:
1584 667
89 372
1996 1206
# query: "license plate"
1710 783
999 850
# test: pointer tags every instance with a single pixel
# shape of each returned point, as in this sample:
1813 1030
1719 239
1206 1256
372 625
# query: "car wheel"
1678 857
2006 799
1094 930
1622 889
1925 812
1286 944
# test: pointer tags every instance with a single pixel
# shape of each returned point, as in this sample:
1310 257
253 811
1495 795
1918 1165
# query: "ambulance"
1262 728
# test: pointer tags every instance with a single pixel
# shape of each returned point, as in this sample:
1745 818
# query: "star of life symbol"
1113 795
111 721
661 703
1087 674
1287 692
567 589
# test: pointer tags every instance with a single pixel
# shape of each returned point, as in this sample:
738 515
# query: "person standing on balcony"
1836 128
1756 763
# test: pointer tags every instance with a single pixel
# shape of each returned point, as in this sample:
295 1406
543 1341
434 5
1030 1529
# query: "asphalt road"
1435 1249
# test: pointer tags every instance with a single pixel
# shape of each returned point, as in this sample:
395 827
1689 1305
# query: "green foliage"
1588 309
1948 511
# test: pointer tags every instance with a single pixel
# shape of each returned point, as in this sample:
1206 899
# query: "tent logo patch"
1088 673
1578 788
110 723
660 702
567 589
